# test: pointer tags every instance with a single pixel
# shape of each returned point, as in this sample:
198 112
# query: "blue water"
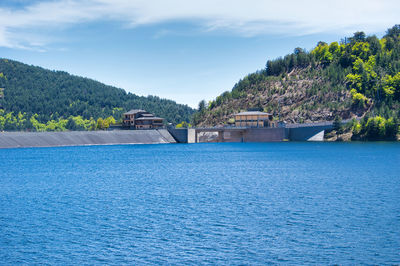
286 203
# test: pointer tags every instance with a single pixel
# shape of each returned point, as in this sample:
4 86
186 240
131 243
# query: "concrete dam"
295 132
81 138
292 132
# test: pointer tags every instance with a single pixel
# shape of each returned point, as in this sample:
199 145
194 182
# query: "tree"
298 50
391 86
360 50
358 99
358 36
393 32
183 124
376 128
334 49
391 128
100 123
337 124
71 125
322 54
202 106
108 121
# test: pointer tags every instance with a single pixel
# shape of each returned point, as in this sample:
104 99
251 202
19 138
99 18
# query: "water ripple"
272 203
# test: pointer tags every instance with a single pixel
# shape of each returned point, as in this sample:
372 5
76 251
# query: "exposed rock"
345 136
296 99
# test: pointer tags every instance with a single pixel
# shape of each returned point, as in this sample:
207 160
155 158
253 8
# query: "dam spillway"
80 138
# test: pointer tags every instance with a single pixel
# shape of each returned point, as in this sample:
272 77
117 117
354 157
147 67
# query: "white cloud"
247 18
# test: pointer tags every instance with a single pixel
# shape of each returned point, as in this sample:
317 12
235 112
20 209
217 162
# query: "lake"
221 203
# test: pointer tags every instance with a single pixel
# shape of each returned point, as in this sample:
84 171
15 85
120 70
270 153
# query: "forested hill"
56 94
360 76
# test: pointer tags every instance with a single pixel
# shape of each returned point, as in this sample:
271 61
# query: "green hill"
358 77
56 95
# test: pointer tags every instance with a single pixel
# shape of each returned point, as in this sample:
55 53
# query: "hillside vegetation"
358 77
33 98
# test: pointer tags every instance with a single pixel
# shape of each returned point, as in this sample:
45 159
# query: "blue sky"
181 50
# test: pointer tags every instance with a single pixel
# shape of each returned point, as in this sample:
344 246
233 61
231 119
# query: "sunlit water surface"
288 203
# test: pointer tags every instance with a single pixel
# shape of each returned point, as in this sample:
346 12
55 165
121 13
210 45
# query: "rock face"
345 136
335 136
298 97
78 138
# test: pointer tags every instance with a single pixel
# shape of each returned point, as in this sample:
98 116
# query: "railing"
309 125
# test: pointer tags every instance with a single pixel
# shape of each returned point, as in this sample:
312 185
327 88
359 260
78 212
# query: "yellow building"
253 119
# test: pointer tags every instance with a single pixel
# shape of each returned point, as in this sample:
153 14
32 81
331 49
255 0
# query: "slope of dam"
77 138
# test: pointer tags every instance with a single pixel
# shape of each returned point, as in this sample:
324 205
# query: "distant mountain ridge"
54 94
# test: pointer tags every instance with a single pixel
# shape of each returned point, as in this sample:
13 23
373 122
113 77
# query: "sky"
184 50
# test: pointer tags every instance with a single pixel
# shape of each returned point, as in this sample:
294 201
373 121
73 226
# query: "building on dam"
254 119
141 119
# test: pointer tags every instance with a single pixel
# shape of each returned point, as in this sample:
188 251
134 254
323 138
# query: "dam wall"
294 132
156 136
179 134
264 134
238 134
309 133
183 135
78 138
